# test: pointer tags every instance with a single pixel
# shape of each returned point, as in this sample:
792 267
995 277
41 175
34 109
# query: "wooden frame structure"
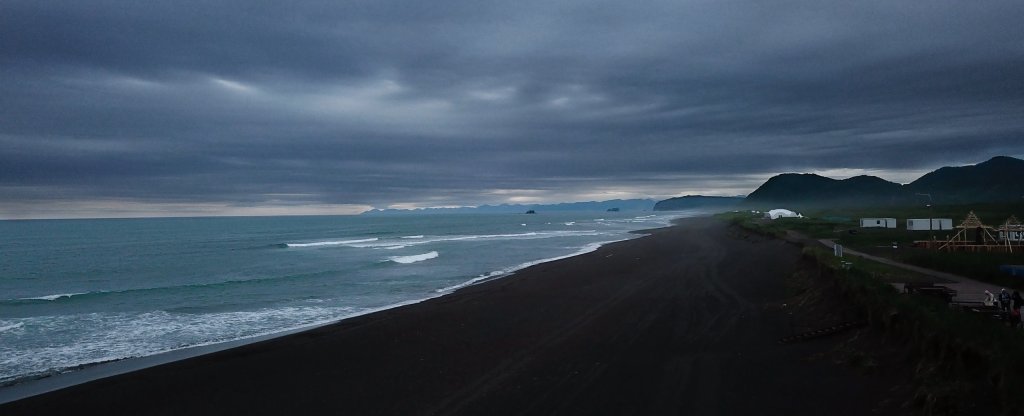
983 238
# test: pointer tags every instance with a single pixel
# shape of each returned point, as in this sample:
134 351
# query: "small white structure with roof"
928 224
877 223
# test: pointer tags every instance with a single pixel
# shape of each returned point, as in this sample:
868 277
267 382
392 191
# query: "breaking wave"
86 296
421 240
330 243
16 325
499 273
56 296
414 259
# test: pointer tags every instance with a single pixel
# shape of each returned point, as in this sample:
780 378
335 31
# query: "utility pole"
930 215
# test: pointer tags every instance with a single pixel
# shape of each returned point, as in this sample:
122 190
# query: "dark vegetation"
842 225
962 363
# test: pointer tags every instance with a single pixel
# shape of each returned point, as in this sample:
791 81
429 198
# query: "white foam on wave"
403 242
6 327
571 223
414 259
499 273
643 219
475 280
54 297
116 336
413 237
331 243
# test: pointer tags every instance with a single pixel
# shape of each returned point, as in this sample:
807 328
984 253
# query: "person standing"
1004 300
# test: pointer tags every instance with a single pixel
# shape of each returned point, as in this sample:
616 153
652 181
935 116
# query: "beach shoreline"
42 384
652 325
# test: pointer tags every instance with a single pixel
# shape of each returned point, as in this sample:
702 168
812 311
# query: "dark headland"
684 321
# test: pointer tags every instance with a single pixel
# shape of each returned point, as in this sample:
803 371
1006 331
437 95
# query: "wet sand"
684 321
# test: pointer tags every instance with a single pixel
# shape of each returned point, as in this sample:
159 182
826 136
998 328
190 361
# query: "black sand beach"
684 321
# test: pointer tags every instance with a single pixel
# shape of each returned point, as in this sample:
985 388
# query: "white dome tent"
782 213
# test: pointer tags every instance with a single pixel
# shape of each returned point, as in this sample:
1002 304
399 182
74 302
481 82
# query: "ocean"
77 292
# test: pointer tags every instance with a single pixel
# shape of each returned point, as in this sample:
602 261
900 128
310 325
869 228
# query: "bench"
930 289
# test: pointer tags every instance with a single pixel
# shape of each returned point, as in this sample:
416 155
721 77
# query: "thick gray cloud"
264 107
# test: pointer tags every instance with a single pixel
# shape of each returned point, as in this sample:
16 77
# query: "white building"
919 224
877 223
929 224
942 223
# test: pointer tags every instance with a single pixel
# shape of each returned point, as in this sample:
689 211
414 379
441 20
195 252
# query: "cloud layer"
158 108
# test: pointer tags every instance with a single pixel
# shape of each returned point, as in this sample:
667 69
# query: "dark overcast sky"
125 108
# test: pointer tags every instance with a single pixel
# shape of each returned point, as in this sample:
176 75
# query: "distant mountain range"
1000 179
612 205
697 201
810 188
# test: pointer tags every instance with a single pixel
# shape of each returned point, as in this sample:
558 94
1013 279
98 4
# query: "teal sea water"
75 292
